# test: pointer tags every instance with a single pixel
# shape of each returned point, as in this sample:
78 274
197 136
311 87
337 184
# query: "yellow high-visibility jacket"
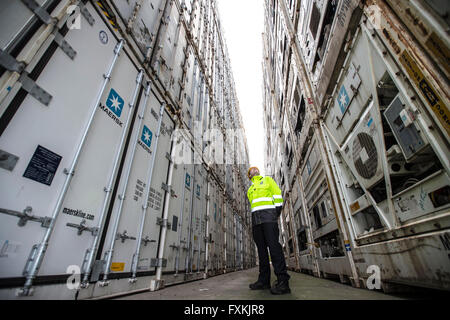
265 199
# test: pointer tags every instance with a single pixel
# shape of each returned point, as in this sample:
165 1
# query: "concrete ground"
234 286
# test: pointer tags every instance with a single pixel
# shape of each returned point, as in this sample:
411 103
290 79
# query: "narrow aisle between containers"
234 286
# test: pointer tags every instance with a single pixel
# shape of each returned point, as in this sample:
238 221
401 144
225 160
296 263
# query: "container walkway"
234 286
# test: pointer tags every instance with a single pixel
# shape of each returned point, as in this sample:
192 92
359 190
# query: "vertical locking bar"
165 217
177 258
207 225
190 245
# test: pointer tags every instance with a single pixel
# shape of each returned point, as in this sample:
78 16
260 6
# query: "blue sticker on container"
147 136
343 100
370 122
115 103
188 180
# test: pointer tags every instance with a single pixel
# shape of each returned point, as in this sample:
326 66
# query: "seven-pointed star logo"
115 103
343 99
147 136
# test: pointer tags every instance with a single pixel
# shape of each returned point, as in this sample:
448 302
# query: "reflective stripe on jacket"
264 194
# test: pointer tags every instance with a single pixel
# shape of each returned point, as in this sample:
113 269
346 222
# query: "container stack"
122 154
357 120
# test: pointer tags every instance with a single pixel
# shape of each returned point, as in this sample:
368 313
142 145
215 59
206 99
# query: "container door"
157 192
176 246
213 225
198 219
177 205
130 205
44 141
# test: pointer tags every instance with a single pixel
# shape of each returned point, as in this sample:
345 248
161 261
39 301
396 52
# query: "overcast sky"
243 24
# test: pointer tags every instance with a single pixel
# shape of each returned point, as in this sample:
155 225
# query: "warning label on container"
117 266
43 166
434 101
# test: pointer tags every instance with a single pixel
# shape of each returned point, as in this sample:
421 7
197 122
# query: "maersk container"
198 222
392 168
212 225
216 234
127 218
428 21
142 20
25 37
172 44
340 21
131 244
290 228
56 160
177 240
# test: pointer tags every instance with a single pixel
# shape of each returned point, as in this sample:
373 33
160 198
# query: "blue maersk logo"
147 137
188 180
115 103
343 100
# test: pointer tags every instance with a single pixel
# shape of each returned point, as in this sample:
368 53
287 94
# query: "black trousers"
266 236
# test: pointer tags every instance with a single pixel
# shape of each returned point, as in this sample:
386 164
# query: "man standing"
266 204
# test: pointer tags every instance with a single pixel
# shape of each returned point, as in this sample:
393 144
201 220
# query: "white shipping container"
45 140
133 233
90 185
177 240
143 20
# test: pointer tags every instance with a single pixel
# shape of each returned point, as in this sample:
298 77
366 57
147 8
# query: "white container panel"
198 220
355 89
156 207
58 128
15 20
92 175
146 22
177 216
169 46
131 216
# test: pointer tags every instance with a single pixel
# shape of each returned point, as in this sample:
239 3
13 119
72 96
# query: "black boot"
259 286
280 287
